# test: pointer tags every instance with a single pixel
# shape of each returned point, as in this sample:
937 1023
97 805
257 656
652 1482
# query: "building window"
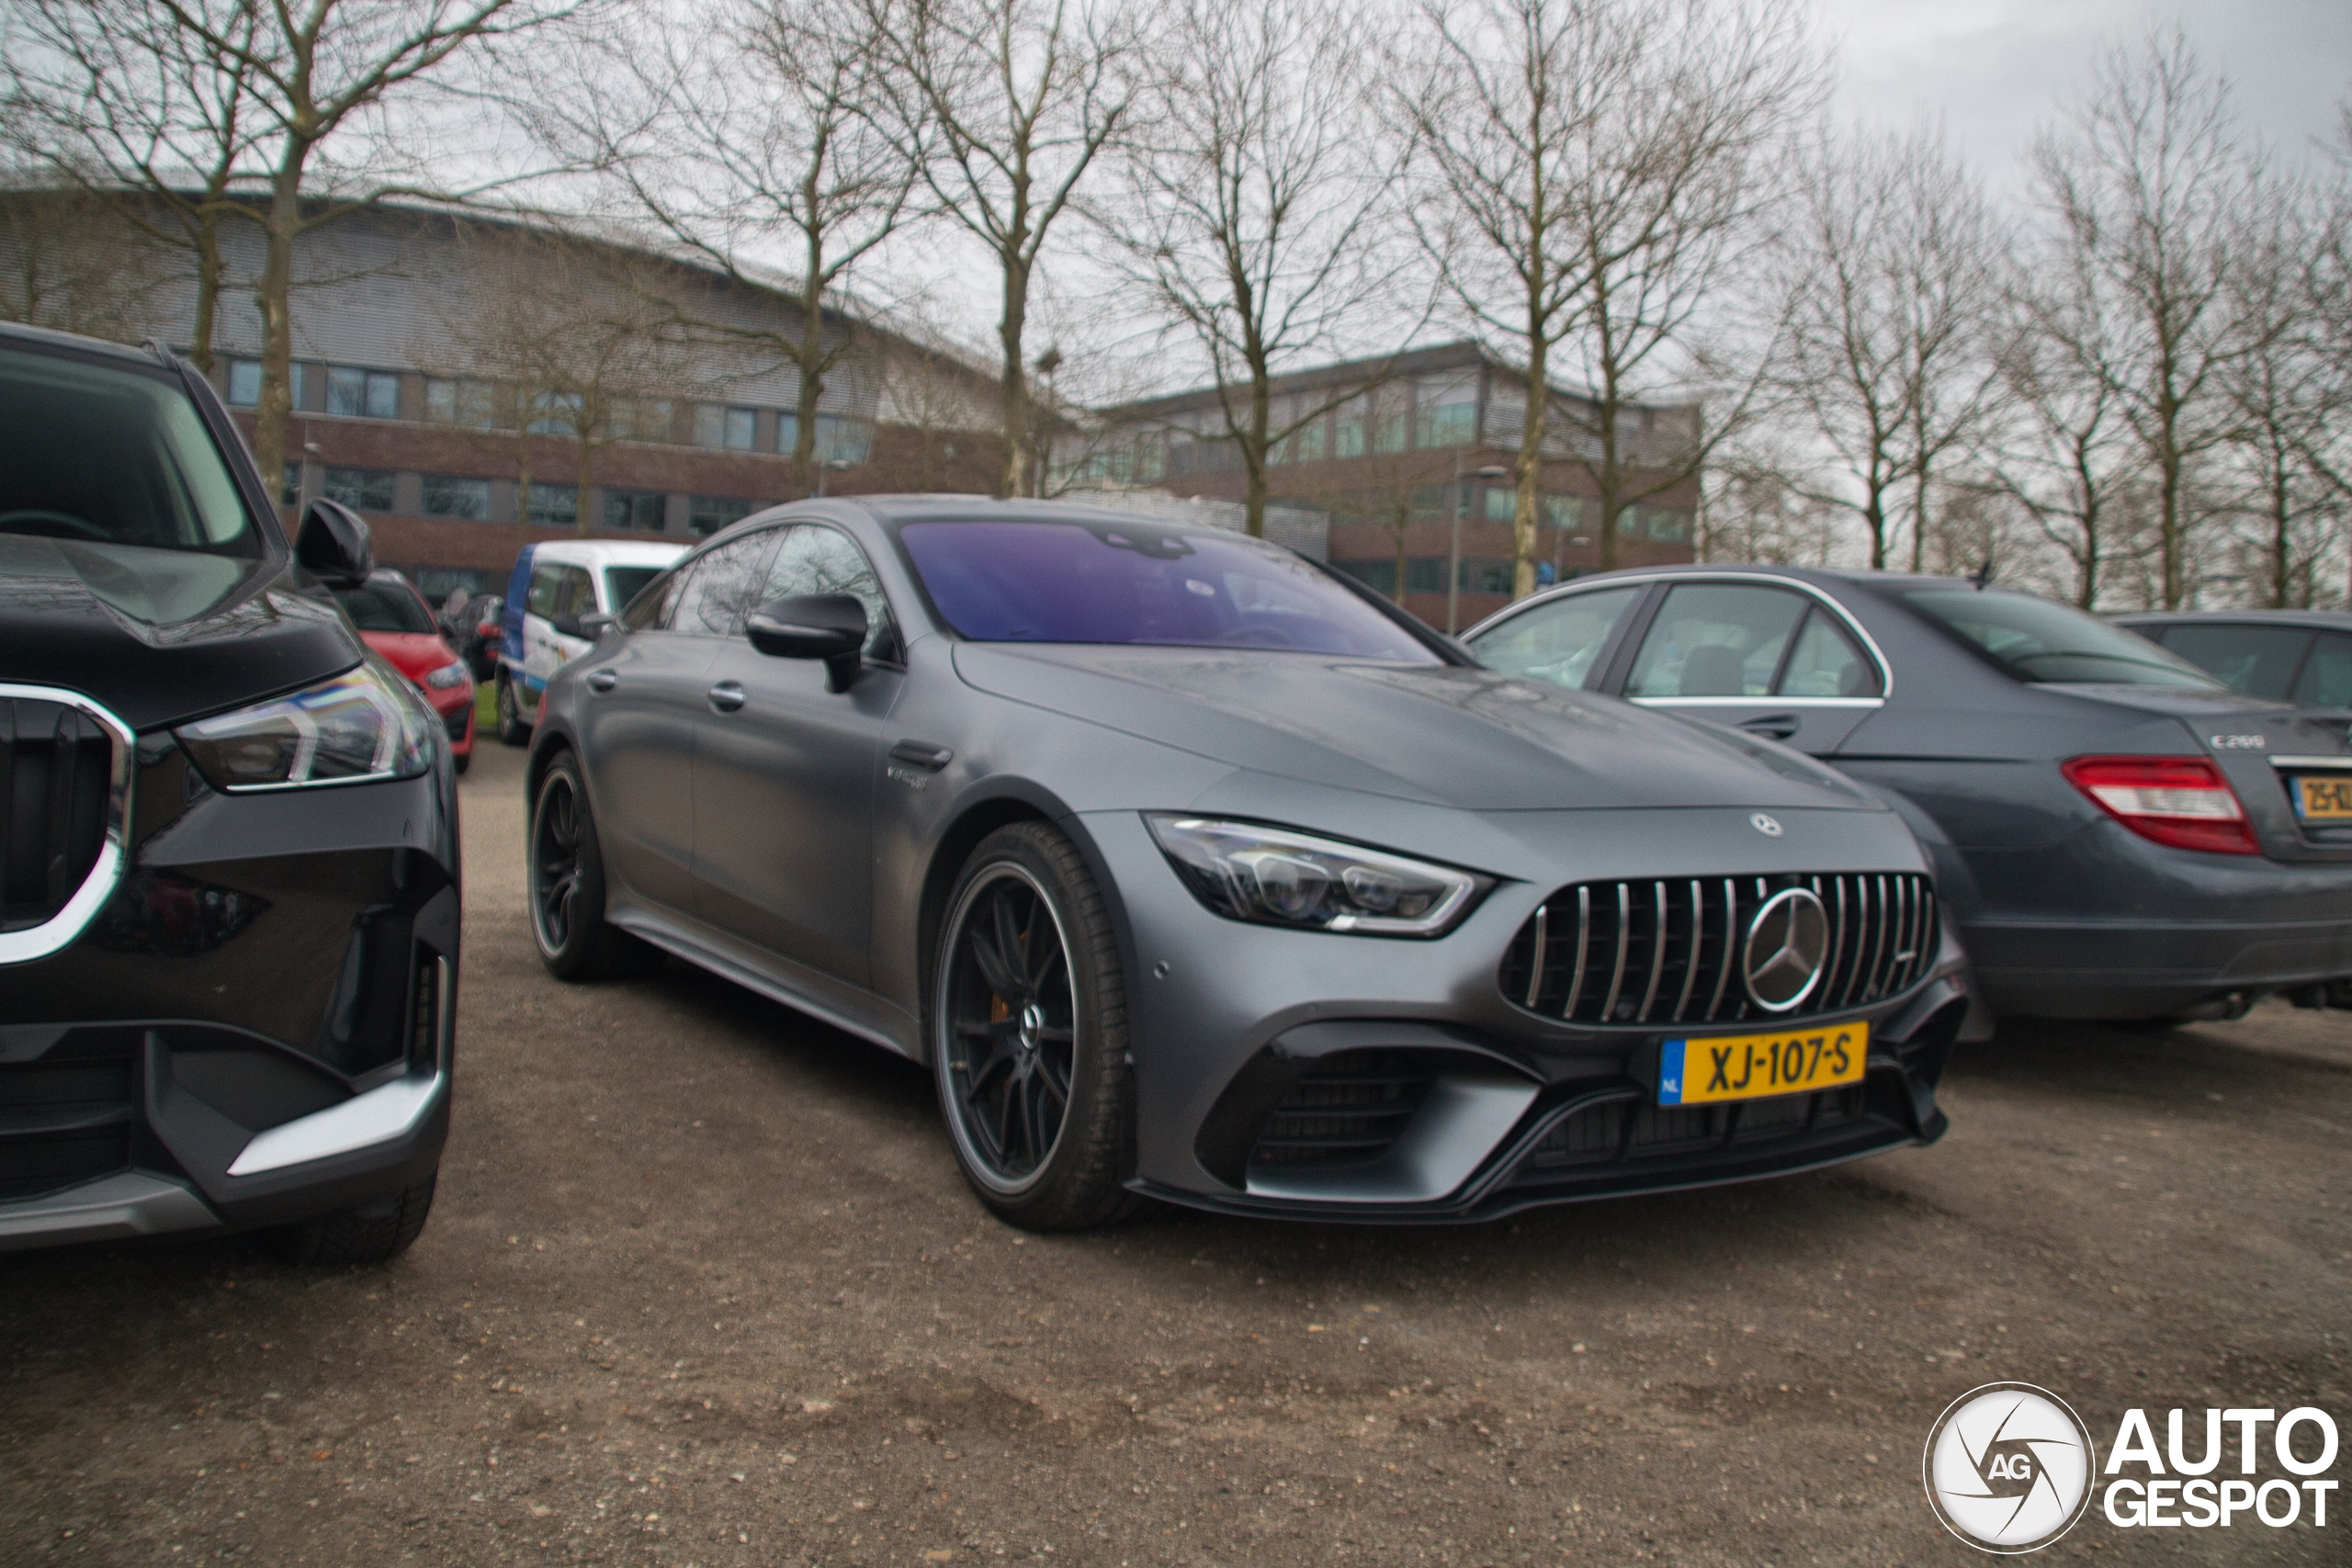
1448 424
1502 503
641 509
709 514
736 430
640 419
1388 431
841 439
1347 436
362 490
473 404
1306 445
1485 575
556 413
466 498
554 506
291 490
1425 574
245 383
1564 512
1380 576
1665 524
362 394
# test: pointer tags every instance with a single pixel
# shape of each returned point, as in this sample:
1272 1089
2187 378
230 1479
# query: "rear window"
386 607
623 583
2036 639
115 456
1098 583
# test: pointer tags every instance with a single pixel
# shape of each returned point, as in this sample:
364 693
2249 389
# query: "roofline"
1459 353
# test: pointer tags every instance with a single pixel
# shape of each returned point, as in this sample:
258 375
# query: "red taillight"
2180 801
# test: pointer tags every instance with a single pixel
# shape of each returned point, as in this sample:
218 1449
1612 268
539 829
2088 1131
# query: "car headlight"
1246 872
360 727
448 675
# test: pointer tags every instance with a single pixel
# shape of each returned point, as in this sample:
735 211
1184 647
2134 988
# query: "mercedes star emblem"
1788 944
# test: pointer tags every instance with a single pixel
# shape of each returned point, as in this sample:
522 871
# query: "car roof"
17 335
2337 620
608 552
895 510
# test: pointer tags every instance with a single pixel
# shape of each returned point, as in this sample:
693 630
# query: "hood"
414 654
1448 735
162 636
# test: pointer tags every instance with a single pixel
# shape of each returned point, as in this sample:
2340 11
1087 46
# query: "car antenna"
1981 575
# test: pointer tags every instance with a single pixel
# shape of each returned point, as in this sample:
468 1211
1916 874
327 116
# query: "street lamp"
1454 550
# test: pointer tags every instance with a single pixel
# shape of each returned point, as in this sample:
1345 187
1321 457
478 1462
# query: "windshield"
1097 582
2035 640
386 607
623 583
113 455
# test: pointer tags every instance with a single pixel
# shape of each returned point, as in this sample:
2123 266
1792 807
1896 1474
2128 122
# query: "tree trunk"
809 357
1527 472
1403 521
273 296
1020 444
207 291
1253 456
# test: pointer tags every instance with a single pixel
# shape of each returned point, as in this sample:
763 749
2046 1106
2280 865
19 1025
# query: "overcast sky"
1994 70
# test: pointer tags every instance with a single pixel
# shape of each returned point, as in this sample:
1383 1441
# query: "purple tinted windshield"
1114 583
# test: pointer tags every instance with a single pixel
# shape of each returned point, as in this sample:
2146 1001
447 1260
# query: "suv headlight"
360 727
1246 872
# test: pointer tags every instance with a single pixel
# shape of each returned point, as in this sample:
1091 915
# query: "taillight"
2180 801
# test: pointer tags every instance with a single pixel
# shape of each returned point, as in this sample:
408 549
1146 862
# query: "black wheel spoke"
998 975
1010 1040
1011 946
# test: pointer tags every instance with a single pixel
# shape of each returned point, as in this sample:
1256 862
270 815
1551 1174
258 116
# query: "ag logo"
2008 1468
1766 824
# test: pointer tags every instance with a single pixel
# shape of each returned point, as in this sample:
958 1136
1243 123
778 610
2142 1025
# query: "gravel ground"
703 1288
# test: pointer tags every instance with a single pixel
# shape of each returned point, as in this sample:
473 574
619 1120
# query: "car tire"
564 865
369 1233
1008 1040
512 730
462 761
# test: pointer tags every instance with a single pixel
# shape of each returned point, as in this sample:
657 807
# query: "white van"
554 584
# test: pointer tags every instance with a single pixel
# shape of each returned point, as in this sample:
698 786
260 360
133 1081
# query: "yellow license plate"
2326 799
1752 1066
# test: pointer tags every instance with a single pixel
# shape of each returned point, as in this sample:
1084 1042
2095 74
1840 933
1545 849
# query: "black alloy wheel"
567 886
1029 1035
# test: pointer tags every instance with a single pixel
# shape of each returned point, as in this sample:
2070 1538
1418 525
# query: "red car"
394 620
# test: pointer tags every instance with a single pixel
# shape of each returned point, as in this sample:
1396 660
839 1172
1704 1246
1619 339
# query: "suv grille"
56 768
1631 1130
1668 951
1349 1110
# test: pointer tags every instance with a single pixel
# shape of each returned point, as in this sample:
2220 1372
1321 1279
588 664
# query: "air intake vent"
1671 950
57 767
1350 1109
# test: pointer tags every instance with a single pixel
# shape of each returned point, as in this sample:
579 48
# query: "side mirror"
568 626
333 544
597 623
830 626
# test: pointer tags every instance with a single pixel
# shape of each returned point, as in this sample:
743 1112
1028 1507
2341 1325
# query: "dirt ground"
703 1288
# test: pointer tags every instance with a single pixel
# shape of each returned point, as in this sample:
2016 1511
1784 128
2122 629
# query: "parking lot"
703 1286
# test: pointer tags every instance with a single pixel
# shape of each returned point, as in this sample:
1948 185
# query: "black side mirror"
830 626
597 623
333 544
568 625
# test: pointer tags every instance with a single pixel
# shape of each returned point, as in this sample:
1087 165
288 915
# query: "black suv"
228 839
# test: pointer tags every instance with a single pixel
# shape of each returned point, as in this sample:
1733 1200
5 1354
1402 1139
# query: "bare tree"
69 261
315 70
116 99
1260 218
1895 274
2147 183
1022 97
563 346
749 135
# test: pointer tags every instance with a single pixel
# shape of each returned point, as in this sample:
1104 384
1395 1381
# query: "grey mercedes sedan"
2118 833
1193 870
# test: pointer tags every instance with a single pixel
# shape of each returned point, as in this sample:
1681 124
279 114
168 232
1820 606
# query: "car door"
640 703
1765 657
786 773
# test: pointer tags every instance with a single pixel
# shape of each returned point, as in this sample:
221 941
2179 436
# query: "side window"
721 588
2327 673
1825 663
652 609
817 560
1559 641
1715 639
545 582
2257 660
576 593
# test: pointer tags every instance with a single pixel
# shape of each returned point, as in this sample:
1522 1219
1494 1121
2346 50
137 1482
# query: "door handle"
1772 726
601 680
726 696
922 755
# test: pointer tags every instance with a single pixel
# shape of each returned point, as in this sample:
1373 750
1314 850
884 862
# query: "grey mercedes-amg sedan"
1194 872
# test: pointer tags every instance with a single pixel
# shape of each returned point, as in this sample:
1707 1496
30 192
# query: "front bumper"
1446 1102
258 1027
